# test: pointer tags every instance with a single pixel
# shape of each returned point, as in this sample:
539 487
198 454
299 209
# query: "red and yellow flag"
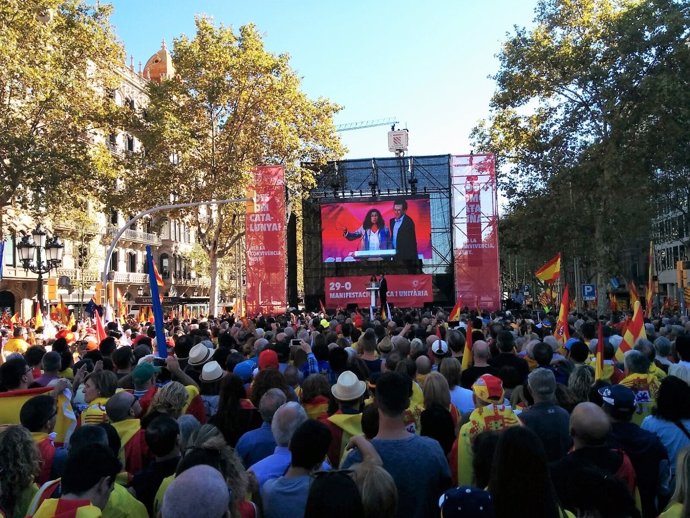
100 329
454 315
649 294
633 332
561 332
634 295
467 353
62 311
551 271
38 322
599 358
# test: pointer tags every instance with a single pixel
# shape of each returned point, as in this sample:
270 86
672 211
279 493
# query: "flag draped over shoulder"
551 271
599 358
467 353
562 332
155 282
633 332
649 294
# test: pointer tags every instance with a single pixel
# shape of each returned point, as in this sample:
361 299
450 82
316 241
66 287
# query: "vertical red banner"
475 231
266 243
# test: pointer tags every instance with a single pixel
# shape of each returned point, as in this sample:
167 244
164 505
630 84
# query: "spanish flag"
454 315
467 353
100 330
562 332
634 295
11 404
39 316
551 271
633 332
649 294
599 358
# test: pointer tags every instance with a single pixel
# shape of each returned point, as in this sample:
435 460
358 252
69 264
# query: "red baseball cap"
268 359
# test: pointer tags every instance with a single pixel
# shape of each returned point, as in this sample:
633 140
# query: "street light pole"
37 242
152 210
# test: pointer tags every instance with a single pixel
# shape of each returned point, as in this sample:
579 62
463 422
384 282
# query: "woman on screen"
373 232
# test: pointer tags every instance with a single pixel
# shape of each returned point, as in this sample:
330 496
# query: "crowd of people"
338 415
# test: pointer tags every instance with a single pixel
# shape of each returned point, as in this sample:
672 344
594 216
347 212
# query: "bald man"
123 411
480 366
592 458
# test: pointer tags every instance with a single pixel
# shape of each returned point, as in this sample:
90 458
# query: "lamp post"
36 244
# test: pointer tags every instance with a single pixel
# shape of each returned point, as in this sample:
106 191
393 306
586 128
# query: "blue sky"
425 63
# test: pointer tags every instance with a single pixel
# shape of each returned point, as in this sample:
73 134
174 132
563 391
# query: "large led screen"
397 229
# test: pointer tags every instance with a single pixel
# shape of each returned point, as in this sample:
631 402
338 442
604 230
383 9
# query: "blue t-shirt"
285 497
255 445
670 435
420 471
462 399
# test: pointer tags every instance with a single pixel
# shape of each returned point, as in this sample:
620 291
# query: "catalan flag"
633 332
599 358
467 353
649 294
551 271
561 331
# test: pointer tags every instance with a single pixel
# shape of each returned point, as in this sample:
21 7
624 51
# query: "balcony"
136 236
130 278
74 274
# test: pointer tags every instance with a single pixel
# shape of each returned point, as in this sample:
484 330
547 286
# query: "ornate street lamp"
37 243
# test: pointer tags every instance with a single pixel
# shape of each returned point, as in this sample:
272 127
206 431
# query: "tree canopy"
58 61
230 106
590 105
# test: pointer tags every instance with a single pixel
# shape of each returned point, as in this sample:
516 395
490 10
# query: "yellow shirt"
122 504
95 413
675 510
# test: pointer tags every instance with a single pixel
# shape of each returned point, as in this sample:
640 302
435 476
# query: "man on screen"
403 233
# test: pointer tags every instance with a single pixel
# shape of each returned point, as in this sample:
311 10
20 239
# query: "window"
130 143
132 262
113 217
9 254
114 260
164 266
82 256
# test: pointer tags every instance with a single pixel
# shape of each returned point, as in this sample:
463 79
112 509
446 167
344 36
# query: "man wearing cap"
123 411
439 349
417 464
646 452
346 422
490 414
548 420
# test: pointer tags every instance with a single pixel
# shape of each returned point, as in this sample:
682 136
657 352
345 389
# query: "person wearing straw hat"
346 422
211 376
198 356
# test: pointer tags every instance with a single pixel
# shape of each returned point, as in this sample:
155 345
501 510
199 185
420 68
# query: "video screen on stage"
397 229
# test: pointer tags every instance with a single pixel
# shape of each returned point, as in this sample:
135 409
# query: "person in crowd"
38 416
520 455
545 417
316 396
19 463
286 496
679 504
16 344
258 443
200 491
15 374
346 422
333 494
507 357
285 421
643 384
52 363
172 399
417 464
123 411
210 380
460 397
367 350
375 484
480 365
236 414
144 380
162 439
647 454
373 234
670 419
99 386
581 381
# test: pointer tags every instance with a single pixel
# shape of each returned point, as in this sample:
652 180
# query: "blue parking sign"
589 292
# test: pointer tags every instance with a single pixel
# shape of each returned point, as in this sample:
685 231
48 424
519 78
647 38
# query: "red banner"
406 291
475 231
266 244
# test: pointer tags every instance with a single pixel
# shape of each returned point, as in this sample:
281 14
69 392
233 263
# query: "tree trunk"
213 292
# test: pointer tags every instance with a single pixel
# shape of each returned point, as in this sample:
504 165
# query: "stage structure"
337 261
475 231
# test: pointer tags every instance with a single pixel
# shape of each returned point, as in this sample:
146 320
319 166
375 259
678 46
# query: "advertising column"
266 244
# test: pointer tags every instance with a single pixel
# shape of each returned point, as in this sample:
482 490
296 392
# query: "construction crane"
390 121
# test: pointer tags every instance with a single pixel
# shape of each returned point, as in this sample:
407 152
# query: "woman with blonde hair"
679 505
376 486
19 464
581 381
440 418
171 399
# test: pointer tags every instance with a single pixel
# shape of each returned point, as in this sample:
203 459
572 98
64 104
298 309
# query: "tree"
58 60
583 102
230 106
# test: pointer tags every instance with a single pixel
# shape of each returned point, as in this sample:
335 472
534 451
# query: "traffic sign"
589 292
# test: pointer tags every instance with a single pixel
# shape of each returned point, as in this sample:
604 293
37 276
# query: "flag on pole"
562 332
323 309
2 254
633 332
467 353
551 271
634 295
649 294
100 330
156 281
62 311
454 315
599 358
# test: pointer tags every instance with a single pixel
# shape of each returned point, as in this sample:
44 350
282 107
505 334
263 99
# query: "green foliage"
590 106
57 61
